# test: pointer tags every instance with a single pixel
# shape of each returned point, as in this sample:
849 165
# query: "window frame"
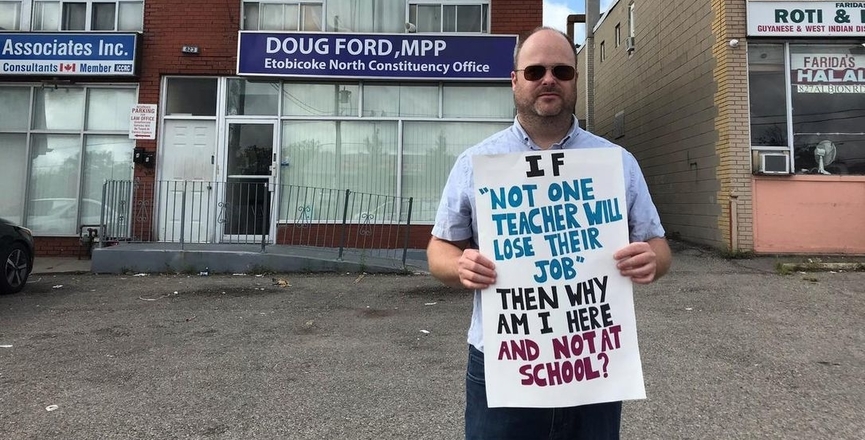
793 146
485 26
300 15
81 134
23 15
631 27
31 9
359 115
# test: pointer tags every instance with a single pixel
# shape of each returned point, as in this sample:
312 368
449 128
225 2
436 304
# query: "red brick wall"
516 16
59 247
375 236
212 25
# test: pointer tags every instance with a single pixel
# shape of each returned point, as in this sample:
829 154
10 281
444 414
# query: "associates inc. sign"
67 54
806 19
385 56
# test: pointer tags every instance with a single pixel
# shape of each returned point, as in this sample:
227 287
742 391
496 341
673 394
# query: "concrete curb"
822 267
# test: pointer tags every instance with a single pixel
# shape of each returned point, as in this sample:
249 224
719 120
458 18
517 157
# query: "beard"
533 106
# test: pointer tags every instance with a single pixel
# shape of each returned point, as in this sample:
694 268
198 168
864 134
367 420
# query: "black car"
16 255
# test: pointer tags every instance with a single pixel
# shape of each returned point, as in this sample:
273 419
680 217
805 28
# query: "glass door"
246 210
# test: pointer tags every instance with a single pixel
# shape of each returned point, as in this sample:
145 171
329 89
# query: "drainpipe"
573 19
593 15
590 18
734 222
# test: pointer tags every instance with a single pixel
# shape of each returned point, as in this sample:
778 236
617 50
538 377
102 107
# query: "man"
544 86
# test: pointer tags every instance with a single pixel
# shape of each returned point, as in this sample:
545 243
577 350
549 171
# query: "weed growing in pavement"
259 270
189 270
737 254
362 262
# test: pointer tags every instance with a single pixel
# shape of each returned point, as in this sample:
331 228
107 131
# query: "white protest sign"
559 324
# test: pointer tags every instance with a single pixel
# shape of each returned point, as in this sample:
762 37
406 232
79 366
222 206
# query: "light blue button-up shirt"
456 219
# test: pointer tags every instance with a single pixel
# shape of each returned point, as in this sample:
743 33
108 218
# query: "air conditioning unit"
773 162
630 44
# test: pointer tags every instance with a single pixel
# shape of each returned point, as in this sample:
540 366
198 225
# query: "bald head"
546 37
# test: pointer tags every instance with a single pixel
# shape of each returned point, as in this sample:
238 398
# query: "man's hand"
644 261
457 265
475 270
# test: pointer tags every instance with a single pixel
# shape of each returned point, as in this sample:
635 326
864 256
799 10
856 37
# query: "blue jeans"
588 422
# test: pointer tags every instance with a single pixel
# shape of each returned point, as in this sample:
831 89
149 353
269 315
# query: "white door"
186 196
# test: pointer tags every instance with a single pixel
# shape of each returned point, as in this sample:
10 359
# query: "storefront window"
108 157
52 109
310 158
54 170
13 175
358 155
369 156
828 100
247 98
320 99
471 101
362 152
14 105
429 151
827 104
404 100
768 95
77 139
108 109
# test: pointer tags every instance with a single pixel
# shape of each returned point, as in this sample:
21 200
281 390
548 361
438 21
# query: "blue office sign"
381 56
65 54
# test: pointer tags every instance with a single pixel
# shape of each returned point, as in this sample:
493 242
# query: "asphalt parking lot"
730 348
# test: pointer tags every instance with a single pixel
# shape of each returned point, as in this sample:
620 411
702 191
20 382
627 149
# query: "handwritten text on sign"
559 326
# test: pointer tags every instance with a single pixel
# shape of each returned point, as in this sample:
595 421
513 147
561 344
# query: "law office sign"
65 54
384 56
142 121
806 19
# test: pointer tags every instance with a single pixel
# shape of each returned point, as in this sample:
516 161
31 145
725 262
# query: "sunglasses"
536 72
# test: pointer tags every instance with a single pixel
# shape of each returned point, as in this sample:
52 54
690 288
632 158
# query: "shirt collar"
572 133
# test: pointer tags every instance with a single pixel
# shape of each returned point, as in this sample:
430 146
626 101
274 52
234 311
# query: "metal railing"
248 211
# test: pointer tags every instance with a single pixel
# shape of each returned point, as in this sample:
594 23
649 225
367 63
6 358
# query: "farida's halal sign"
828 73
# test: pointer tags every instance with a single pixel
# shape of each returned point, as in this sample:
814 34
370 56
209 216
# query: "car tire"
16 268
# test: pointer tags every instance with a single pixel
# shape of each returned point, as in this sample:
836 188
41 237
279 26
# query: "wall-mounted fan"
824 154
